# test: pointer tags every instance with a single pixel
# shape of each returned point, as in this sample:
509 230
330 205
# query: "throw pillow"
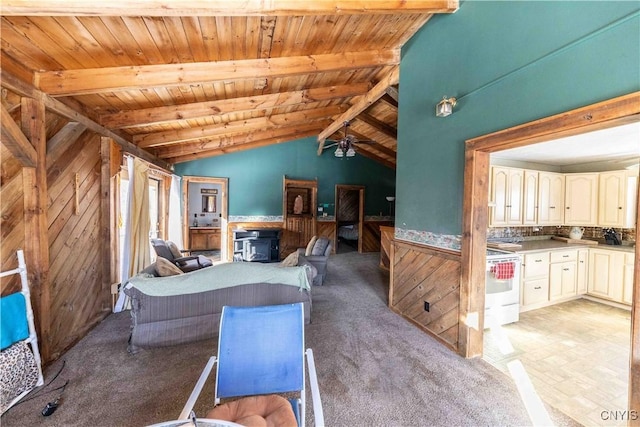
291 260
164 267
309 248
174 249
321 246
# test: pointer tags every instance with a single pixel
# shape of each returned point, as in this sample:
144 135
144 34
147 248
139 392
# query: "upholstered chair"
317 254
168 250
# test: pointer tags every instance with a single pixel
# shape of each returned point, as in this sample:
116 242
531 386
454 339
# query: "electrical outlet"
426 306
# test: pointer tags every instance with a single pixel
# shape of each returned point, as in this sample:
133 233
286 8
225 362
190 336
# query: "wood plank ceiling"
217 76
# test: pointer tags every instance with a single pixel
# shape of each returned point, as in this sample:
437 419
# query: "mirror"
208 204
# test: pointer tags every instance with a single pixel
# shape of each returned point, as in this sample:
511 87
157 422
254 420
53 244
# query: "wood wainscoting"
371 235
327 229
418 274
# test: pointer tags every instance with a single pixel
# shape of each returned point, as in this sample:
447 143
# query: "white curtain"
137 250
175 213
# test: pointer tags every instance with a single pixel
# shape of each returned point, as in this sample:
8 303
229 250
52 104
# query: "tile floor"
576 354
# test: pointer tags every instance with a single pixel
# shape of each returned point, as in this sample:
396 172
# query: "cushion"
312 242
320 246
164 267
256 411
290 261
174 249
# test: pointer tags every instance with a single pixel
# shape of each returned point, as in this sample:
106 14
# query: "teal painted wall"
255 176
509 63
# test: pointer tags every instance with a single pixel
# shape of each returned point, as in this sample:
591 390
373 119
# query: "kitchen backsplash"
591 233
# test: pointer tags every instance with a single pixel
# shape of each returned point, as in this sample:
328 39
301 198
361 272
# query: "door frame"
360 189
224 207
610 113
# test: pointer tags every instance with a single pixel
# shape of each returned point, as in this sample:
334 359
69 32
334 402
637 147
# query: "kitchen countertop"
205 227
549 244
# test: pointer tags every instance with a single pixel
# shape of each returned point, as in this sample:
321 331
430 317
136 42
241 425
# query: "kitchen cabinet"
606 271
581 199
550 198
582 271
506 196
563 274
617 199
629 264
535 281
204 238
530 198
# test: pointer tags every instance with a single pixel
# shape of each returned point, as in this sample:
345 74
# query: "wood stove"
256 245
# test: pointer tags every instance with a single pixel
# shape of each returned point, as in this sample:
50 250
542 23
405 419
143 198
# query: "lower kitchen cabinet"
563 275
606 273
629 266
535 292
582 273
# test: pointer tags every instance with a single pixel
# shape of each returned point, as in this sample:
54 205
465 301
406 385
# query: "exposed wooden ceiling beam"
375 145
23 89
239 126
15 140
222 145
109 79
368 154
64 138
392 92
360 105
379 125
222 7
156 115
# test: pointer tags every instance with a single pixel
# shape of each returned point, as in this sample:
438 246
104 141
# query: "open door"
205 212
349 216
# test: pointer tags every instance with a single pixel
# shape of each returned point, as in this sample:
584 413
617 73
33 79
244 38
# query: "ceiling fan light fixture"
351 152
338 152
445 107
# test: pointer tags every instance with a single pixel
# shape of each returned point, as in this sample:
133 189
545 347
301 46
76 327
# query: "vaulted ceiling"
178 81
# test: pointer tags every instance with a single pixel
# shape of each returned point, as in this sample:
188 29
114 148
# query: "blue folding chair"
261 351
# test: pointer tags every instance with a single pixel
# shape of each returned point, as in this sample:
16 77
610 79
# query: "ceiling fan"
345 147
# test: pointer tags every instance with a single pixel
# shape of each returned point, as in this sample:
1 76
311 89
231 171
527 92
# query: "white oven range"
502 288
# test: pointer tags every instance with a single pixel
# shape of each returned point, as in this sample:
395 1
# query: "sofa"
184 307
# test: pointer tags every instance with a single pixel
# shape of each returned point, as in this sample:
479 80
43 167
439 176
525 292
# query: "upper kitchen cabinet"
617 199
506 196
550 198
581 199
530 198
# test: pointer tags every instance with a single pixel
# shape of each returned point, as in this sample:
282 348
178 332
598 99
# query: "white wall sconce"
445 107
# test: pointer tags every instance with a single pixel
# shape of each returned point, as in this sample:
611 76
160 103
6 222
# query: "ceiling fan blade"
366 141
330 145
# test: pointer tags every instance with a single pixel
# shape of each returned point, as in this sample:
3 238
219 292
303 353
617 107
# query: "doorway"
205 216
607 114
349 218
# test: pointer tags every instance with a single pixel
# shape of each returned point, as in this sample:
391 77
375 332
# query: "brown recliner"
184 263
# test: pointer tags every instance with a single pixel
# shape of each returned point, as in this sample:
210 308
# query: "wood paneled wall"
420 274
11 218
78 300
371 235
327 229
68 287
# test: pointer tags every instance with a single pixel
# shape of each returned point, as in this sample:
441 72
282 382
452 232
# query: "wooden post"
105 214
36 204
634 365
476 187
